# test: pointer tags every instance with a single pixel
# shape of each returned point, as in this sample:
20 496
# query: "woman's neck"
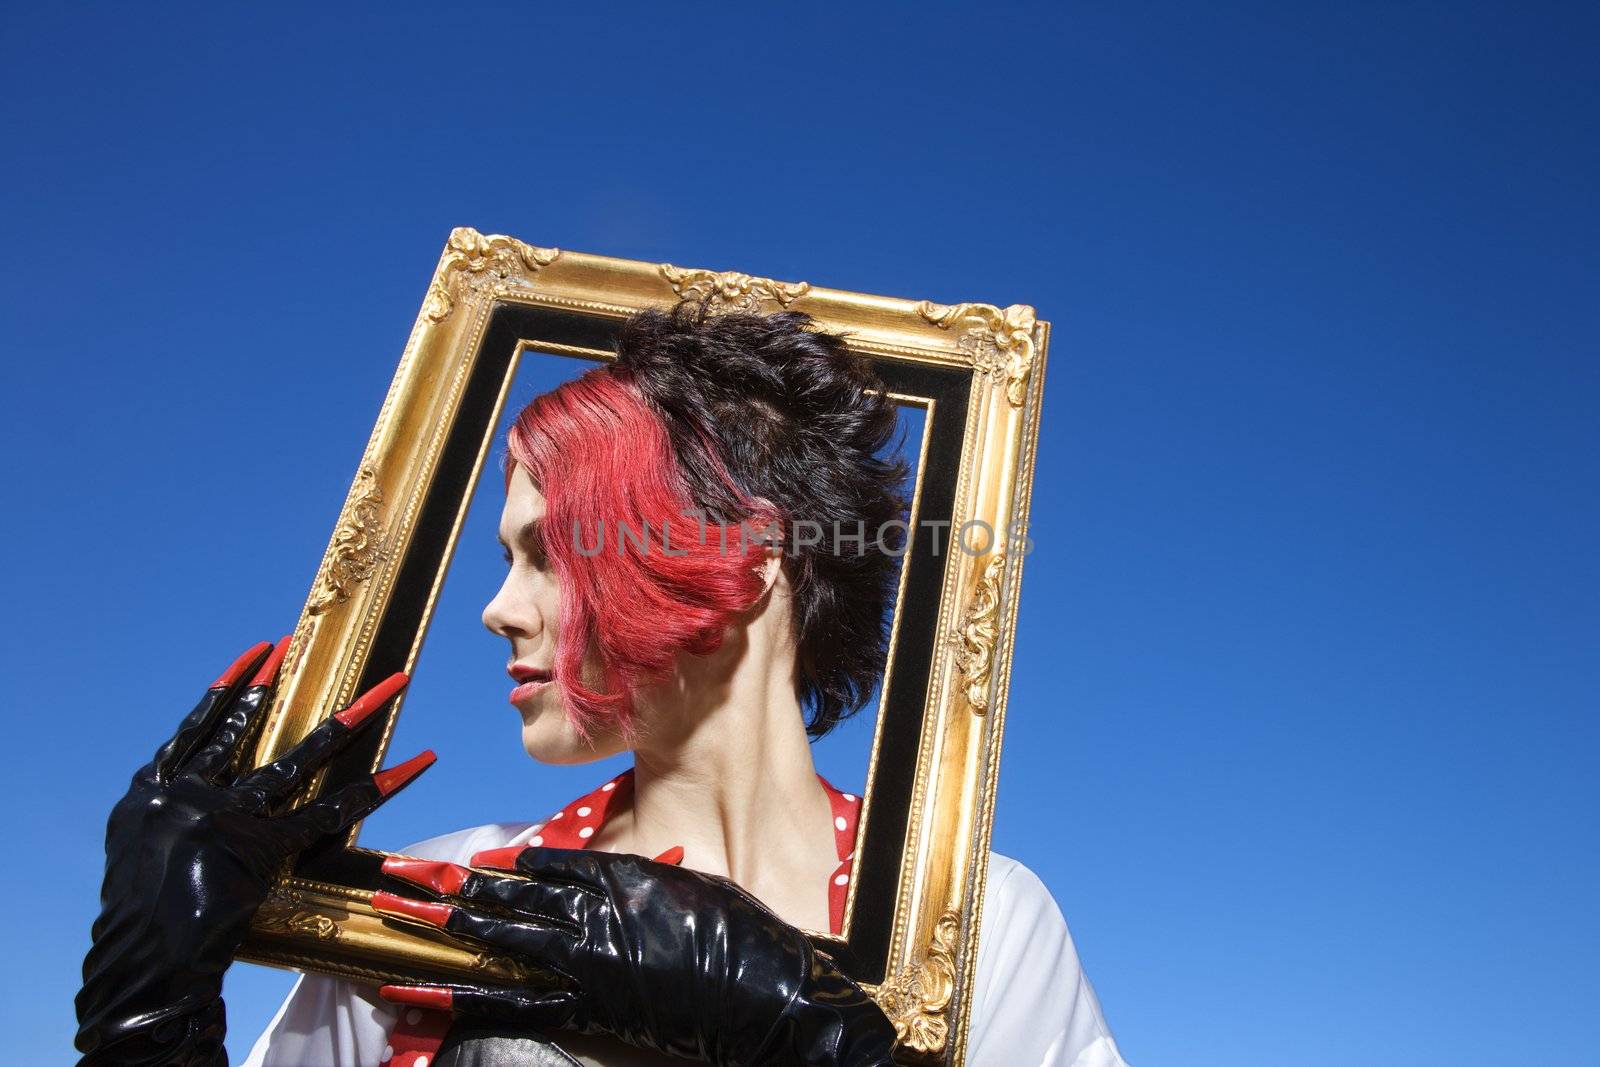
726 772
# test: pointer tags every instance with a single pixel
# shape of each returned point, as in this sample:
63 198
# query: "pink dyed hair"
602 457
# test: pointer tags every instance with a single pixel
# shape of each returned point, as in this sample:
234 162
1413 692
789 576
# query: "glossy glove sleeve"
659 956
191 852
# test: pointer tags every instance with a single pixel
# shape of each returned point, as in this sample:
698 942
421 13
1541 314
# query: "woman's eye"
536 558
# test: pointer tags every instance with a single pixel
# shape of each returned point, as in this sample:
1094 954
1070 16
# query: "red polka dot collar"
418 1034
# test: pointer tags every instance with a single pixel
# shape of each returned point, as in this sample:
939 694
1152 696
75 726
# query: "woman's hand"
191 852
659 956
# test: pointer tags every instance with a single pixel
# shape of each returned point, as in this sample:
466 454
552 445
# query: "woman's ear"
769 534
769 569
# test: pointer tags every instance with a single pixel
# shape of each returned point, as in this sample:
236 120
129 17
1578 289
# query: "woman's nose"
504 616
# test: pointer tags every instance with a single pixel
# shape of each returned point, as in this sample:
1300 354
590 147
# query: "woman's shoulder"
1030 987
1021 919
461 845
1018 898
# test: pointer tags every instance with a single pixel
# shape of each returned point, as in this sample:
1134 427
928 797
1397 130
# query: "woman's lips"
529 679
527 690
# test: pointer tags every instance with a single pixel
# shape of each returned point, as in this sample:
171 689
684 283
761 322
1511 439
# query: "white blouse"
1032 1004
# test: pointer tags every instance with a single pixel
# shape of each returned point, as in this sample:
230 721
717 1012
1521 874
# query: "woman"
711 649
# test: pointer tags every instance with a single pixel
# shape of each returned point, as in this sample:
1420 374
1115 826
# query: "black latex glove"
662 957
191 852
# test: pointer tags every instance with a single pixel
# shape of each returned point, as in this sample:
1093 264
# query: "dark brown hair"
796 420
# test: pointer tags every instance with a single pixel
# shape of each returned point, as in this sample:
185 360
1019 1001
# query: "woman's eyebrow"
531 534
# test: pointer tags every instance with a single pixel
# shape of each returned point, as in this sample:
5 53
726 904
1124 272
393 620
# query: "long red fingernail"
500 859
437 875
673 855
395 777
240 665
423 996
423 911
269 669
373 699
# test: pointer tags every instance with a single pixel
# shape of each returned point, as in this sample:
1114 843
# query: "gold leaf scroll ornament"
283 912
979 632
730 290
358 545
501 966
915 999
1000 342
474 263
358 548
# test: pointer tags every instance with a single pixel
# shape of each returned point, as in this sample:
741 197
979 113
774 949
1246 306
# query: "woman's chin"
549 738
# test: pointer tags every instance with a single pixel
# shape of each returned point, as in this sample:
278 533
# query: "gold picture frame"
912 922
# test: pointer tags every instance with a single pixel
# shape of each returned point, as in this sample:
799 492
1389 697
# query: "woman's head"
655 479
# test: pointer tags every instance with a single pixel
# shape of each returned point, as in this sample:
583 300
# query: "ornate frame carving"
324 922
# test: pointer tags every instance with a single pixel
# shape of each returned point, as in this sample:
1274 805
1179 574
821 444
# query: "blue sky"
1302 731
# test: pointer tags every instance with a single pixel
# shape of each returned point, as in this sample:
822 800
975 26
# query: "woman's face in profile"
527 612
